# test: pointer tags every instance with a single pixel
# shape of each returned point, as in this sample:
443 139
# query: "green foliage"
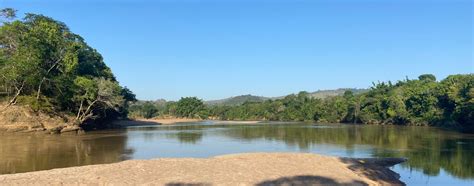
190 107
427 77
456 97
410 102
35 104
145 110
42 63
424 101
128 95
238 100
8 13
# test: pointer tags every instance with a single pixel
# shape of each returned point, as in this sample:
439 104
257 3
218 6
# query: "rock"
81 132
55 130
70 129
385 162
37 129
376 169
17 129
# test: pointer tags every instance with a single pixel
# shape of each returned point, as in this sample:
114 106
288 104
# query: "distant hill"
321 94
238 100
329 93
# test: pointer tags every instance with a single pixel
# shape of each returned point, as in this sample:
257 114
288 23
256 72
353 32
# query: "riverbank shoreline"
144 122
235 122
172 121
234 169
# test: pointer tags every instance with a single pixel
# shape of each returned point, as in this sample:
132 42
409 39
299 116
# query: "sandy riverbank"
235 122
239 169
139 122
170 121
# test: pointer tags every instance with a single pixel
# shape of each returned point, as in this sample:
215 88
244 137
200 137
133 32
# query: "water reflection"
29 152
430 151
187 137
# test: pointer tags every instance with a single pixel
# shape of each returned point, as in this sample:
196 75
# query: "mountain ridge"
321 94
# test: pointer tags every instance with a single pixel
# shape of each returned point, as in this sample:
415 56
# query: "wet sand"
235 122
171 120
238 169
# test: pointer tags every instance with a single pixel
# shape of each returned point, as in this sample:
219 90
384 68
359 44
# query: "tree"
128 95
427 77
8 13
409 102
47 65
189 107
149 110
456 98
96 95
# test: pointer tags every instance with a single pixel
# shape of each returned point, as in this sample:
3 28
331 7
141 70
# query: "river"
435 156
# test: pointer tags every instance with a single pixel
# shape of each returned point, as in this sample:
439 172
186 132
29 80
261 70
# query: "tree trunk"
39 89
56 63
44 78
87 113
80 110
356 108
13 100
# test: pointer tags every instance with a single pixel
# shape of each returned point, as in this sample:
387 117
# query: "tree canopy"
46 66
43 63
410 102
422 101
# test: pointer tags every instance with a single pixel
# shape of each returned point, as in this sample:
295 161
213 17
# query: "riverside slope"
239 169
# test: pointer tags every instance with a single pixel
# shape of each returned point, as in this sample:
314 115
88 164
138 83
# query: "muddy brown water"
435 157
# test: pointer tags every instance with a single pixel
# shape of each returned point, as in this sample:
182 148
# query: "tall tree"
189 107
41 58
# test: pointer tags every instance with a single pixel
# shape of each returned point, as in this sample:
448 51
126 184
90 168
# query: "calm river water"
436 157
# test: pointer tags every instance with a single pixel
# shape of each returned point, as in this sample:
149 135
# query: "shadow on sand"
376 169
306 180
188 184
287 181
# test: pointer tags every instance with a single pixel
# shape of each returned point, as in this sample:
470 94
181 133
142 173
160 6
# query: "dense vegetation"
410 102
423 101
322 94
46 66
238 100
189 107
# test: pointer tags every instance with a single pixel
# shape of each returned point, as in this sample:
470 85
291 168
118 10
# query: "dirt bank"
24 119
239 169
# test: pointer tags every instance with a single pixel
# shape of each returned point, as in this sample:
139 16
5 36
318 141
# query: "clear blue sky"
220 48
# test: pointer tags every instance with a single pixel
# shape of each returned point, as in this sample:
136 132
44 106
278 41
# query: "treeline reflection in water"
428 149
33 152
